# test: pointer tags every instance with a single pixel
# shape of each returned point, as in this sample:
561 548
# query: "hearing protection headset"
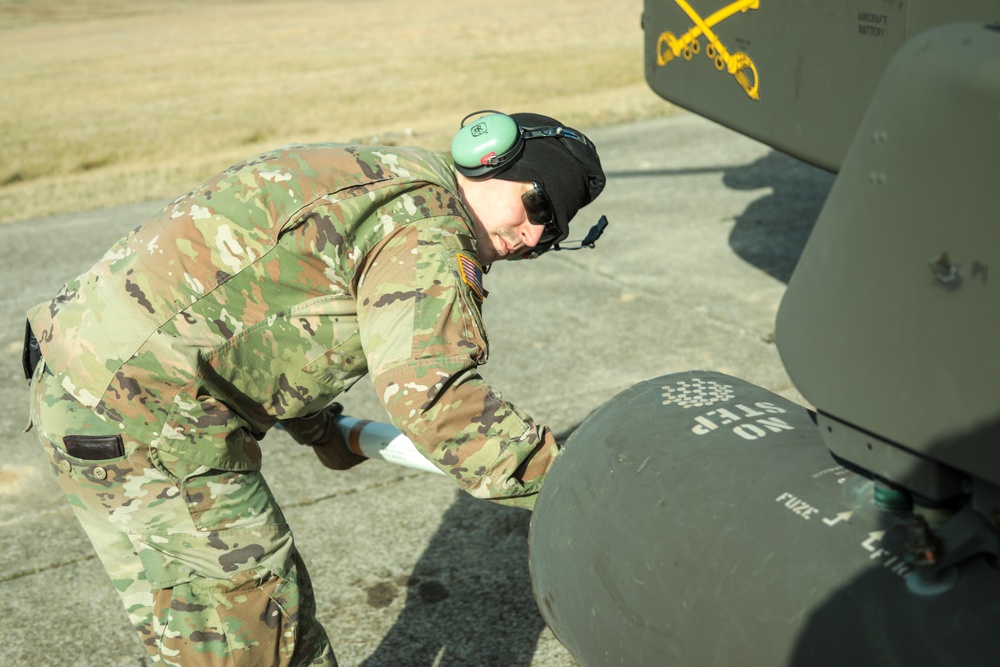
491 143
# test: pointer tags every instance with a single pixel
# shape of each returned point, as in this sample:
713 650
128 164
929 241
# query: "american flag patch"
472 275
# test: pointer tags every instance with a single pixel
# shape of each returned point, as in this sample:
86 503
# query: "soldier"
255 300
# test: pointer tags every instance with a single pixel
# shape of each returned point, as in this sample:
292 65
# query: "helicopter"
724 524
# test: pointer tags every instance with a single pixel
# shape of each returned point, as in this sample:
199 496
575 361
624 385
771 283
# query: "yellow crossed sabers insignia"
738 64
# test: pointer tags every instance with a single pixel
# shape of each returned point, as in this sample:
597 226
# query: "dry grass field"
104 103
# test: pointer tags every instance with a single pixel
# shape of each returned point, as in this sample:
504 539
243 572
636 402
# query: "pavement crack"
45 568
61 511
305 502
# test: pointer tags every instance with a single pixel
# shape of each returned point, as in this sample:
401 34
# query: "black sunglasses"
539 208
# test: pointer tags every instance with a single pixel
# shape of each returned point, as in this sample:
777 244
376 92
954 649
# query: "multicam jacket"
267 291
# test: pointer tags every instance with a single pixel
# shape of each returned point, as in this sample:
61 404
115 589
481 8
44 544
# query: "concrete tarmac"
706 227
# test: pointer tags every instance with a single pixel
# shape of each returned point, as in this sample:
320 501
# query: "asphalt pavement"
705 230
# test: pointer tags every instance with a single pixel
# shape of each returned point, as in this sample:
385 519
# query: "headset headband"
493 142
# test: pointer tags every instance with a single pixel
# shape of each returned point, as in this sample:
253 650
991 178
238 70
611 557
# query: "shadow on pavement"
469 601
772 232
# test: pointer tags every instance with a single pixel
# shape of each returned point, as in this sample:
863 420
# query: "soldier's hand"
334 453
331 447
320 431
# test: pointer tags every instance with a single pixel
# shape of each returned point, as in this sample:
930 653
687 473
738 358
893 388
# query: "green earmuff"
486 144
489 144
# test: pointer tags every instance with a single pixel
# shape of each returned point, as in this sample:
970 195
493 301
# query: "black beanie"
568 169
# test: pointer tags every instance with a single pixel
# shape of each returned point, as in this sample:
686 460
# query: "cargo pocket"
226 598
105 475
244 618
231 597
89 456
218 499
204 429
341 366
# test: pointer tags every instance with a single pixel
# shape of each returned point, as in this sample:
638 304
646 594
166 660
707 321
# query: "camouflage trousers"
202 559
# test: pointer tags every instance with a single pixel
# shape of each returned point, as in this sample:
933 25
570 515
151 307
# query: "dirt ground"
105 103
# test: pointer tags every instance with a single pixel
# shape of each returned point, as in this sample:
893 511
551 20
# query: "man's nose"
531 233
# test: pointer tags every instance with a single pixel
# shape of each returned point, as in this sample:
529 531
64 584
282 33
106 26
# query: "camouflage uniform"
256 299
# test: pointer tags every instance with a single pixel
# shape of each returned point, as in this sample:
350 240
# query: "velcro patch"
472 275
94 447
